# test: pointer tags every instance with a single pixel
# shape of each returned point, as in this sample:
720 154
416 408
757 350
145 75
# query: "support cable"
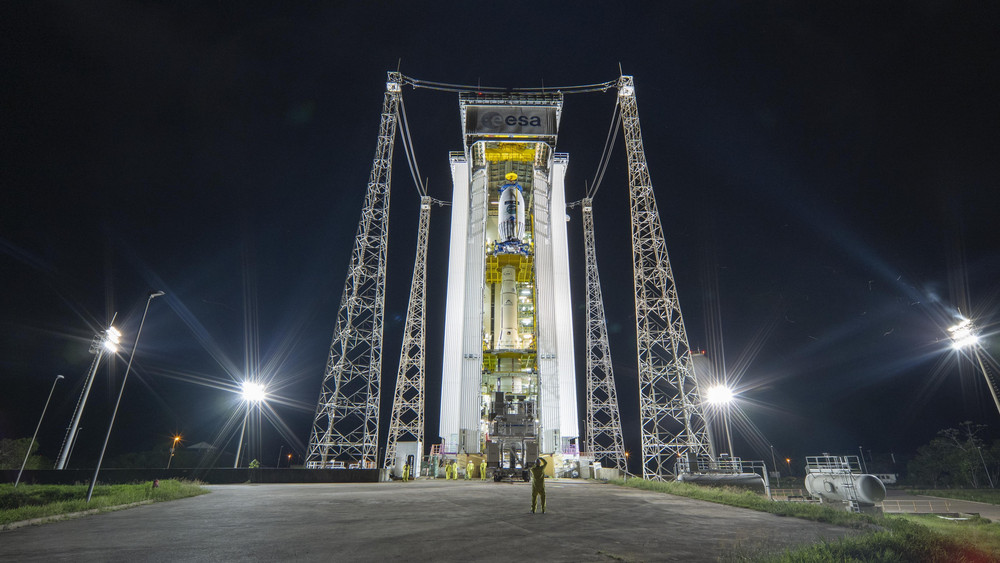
411 155
609 145
446 87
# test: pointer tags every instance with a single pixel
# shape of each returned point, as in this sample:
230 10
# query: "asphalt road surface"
420 520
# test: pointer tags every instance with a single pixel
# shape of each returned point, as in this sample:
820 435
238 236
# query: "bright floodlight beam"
964 336
253 393
719 395
722 395
105 342
114 413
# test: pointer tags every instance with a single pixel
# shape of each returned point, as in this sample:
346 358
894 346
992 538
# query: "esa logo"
494 120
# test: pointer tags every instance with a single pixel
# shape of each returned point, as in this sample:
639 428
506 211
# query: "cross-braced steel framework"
407 421
671 416
603 425
345 429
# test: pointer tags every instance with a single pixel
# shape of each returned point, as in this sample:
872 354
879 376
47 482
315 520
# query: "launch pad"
509 369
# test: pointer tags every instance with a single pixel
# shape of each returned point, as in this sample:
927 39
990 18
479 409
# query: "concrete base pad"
417 520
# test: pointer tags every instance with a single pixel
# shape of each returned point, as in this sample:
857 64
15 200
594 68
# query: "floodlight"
111 339
253 392
719 394
963 335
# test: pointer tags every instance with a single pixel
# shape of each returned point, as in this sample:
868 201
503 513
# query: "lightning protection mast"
603 424
671 415
345 429
407 423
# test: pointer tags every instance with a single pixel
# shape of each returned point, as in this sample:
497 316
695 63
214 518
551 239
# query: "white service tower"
509 379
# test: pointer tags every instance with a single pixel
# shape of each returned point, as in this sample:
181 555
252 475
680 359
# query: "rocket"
511 216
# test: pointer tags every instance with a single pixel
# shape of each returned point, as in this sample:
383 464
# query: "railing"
917 506
791 495
833 464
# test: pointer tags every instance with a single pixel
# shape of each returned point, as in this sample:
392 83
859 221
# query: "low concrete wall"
214 476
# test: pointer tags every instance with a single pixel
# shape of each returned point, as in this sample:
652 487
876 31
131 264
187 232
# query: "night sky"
826 176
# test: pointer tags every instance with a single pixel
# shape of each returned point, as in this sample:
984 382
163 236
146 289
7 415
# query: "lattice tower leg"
671 414
603 424
345 429
407 420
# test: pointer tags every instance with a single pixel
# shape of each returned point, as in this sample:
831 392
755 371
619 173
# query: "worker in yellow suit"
482 471
538 483
447 471
453 468
469 469
406 472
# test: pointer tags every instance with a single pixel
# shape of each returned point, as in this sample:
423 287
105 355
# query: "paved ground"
900 502
416 521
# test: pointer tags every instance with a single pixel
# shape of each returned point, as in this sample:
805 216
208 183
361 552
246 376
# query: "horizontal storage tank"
836 487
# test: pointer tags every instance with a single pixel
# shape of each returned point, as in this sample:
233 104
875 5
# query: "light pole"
280 450
172 448
114 413
253 395
722 396
106 341
774 464
964 335
35 435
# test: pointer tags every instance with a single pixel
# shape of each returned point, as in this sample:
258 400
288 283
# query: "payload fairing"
508 352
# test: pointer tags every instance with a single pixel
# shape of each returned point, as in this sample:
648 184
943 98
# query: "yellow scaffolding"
492 269
517 152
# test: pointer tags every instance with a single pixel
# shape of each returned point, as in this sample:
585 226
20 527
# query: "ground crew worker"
482 471
449 470
469 469
406 472
538 483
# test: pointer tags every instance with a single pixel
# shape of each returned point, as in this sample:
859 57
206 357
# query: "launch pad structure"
509 374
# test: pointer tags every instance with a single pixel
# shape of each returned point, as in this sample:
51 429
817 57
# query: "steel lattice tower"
345 429
603 424
671 415
408 403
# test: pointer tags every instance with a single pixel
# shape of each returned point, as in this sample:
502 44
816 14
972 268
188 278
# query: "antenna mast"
671 415
345 429
603 424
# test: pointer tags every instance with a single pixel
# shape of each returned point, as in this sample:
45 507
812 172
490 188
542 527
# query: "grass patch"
887 539
990 496
36 501
732 496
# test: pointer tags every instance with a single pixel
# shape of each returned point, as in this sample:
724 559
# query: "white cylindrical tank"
836 487
510 220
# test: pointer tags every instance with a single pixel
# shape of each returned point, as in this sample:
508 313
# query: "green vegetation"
890 539
747 499
36 501
901 538
12 455
991 496
956 458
